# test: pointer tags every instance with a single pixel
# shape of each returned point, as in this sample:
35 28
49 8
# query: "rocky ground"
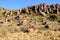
30 28
30 25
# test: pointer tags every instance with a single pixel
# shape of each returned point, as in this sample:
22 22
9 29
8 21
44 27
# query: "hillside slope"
39 22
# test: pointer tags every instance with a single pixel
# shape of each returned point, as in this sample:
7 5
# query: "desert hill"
37 22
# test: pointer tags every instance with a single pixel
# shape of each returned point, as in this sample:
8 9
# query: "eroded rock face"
53 9
41 9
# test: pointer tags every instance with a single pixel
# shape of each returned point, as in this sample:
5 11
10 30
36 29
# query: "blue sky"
18 4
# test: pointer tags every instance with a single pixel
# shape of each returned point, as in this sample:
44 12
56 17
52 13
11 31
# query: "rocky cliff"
37 9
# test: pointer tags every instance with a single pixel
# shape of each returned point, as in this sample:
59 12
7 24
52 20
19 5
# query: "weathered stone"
17 17
46 26
52 17
44 21
42 13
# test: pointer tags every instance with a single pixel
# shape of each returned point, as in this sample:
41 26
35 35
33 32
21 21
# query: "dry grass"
19 32
42 35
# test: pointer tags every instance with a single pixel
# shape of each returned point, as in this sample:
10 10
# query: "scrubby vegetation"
30 24
31 28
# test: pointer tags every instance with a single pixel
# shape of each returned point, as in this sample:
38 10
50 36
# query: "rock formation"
37 9
14 16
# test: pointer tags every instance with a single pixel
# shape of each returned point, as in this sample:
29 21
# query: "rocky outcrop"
17 16
37 9
41 9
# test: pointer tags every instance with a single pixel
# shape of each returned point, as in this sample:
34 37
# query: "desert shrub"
47 16
42 28
2 16
24 28
48 33
52 17
46 26
13 28
58 29
15 13
3 32
38 17
58 19
4 13
17 17
18 24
